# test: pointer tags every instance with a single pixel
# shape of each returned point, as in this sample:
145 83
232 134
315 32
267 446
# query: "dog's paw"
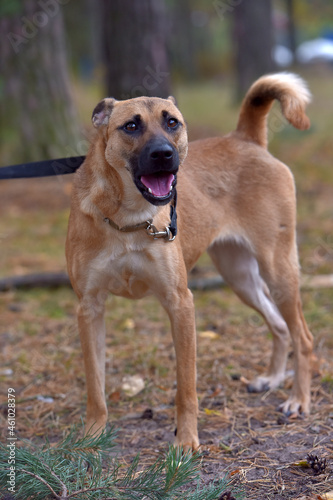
295 407
263 384
190 443
95 428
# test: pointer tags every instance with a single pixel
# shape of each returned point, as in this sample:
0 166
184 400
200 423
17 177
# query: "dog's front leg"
92 336
180 309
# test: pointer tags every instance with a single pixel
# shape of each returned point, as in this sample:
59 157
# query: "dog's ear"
102 112
172 99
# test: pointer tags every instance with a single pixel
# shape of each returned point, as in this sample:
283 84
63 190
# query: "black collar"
169 233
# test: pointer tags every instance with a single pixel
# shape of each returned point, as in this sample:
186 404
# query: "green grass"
33 239
57 304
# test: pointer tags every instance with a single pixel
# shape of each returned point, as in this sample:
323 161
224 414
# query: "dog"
146 204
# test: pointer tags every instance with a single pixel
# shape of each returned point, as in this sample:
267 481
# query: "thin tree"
36 103
253 41
290 8
182 43
134 34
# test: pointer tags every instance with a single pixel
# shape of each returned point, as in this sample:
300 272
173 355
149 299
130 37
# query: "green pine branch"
45 472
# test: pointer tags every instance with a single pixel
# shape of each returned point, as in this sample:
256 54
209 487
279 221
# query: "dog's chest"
120 271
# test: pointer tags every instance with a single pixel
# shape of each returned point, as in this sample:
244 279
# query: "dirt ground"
241 434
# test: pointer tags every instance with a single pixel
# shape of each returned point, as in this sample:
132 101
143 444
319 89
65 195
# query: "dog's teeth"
150 191
171 188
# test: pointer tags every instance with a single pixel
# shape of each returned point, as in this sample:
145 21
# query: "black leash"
62 166
173 216
169 232
45 168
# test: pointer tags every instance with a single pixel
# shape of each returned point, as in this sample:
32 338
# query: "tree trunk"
253 38
35 97
134 45
182 54
290 7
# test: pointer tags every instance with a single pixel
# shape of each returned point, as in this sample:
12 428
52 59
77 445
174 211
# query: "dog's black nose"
162 152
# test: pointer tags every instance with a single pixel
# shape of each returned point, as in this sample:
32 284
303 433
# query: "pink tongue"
159 184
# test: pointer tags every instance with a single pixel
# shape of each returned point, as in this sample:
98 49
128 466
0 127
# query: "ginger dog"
235 200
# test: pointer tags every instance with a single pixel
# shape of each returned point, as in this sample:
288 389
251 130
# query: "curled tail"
292 93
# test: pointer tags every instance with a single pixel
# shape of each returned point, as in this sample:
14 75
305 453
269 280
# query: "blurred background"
58 58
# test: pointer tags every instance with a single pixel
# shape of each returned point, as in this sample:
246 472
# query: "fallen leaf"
234 472
213 448
301 463
114 396
216 392
127 324
209 334
162 388
225 447
212 412
132 385
326 496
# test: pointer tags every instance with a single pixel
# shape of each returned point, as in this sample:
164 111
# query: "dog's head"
147 136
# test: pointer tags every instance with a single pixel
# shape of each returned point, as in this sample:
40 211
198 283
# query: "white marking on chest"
121 269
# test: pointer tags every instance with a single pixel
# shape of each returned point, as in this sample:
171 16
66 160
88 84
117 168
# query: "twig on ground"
57 279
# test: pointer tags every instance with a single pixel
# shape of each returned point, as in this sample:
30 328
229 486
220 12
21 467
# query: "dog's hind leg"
289 303
240 269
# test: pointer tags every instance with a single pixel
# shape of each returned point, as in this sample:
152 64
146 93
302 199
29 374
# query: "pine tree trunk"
35 94
134 45
290 7
182 30
253 37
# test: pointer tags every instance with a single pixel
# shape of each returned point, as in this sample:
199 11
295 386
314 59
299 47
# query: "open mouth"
158 187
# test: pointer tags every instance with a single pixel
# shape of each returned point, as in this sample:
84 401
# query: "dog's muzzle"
156 173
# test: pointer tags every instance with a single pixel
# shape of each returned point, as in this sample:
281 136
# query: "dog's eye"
131 127
172 122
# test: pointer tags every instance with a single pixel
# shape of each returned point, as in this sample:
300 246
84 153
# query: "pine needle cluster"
86 468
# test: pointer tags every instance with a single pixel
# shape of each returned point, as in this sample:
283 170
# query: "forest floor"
241 434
